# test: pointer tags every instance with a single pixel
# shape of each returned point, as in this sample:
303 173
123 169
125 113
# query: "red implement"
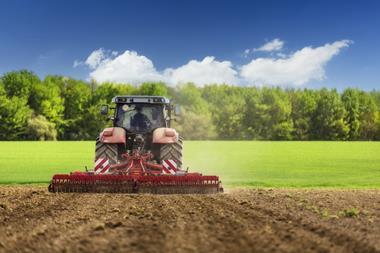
136 174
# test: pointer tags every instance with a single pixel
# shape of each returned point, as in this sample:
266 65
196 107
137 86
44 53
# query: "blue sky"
169 40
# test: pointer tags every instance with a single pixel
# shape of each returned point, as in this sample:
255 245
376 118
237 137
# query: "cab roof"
140 100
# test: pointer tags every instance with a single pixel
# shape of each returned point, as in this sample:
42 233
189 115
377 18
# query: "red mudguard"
113 135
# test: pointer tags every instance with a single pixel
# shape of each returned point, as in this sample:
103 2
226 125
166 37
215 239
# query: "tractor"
141 123
140 153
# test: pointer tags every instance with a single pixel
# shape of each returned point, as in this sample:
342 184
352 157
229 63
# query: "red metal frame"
135 174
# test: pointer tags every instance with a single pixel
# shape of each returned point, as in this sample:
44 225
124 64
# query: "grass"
238 163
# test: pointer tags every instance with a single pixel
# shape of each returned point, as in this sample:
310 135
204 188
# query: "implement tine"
156 184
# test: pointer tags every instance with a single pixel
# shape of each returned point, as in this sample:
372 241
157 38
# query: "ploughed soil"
255 220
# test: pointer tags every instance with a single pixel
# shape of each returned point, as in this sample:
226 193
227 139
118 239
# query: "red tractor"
140 153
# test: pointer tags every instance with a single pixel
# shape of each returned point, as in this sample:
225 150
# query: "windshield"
140 117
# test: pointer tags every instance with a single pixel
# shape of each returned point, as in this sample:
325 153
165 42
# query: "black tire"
106 150
172 151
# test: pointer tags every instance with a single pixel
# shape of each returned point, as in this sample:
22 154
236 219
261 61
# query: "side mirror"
104 110
177 110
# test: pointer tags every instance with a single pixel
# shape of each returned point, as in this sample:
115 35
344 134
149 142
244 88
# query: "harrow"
136 174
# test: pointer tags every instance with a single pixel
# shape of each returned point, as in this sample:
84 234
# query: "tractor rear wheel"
106 150
172 151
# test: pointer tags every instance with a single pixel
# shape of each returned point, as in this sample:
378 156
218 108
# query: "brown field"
260 220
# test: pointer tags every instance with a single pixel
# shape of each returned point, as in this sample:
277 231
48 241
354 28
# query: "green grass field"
238 163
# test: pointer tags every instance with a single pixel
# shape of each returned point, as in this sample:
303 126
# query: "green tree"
303 107
268 115
77 97
19 83
69 109
39 128
195 120
46 100
194 126
368 117
351 102
329 117
227 107
14 113
104 92
152 89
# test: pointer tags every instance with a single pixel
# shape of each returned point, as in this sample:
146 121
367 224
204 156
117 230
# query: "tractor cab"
141 114
140 122
140 118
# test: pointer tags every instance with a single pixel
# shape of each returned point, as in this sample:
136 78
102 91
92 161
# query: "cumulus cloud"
207 71
273 45
95 58
130 67
127 67
298 68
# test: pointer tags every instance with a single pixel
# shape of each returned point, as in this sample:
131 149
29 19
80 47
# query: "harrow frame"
136 174
156 184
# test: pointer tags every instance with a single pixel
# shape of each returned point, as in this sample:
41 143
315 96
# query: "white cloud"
246 52
298 68
95 58
131 67
77 63
128 67
207 71
281 55
273 45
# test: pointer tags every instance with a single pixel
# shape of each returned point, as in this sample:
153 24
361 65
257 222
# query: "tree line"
64 108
